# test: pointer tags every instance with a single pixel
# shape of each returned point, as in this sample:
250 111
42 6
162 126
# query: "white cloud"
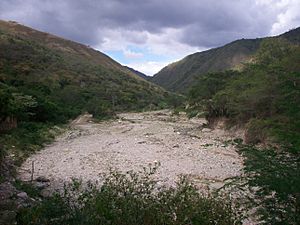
264 2
165 43
132 55
149 68
168 43
119 39
168 30
288 16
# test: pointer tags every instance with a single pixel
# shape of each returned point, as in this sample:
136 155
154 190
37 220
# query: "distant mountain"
140 74
65 78
292 36
179 76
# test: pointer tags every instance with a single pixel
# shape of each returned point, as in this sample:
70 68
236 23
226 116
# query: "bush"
29 137
265 98
265 94
192 113
276 173
131 198
256 131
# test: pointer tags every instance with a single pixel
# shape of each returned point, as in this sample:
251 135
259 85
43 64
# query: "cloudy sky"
149 34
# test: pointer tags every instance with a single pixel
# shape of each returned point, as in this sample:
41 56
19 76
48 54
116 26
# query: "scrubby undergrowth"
131 198
264 99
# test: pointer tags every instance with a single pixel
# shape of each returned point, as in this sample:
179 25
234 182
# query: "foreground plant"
130 198
276 173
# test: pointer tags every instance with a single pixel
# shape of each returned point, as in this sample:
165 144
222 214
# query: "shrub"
276 173
256 131
131 198
265 94
192 113
29 137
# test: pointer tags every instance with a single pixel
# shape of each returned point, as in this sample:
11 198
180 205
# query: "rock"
22 195
206 130
141 142
7 190
176 146
41 185
45 193
7 204
22 203
42 179
8 217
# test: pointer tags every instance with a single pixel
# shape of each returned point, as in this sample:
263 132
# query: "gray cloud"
204 23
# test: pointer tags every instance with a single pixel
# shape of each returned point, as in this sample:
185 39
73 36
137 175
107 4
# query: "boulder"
45 193
7 217
42 179
206 130
7 190
22 195
41 185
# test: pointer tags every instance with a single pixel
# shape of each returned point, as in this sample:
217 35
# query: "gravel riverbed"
182 146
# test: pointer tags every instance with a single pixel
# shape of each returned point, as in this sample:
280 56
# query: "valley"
222 119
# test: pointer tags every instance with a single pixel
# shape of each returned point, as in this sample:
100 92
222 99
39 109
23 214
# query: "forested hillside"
65 78
264 99
180 76
266 94
140 74
45 80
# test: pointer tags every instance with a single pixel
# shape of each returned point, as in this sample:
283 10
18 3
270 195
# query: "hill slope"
64 78
180 75
140 74
56 43
263 99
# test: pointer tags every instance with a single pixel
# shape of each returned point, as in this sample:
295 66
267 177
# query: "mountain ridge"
140 74
67 77
61 43
180 75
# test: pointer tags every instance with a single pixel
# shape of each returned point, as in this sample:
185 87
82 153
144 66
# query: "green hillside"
263 99
180 75
66 78
266 89
46 80
140 74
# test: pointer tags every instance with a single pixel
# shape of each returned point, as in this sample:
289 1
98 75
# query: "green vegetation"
140 74
46 80
265 99
180 76
26 139
265 95
276 173
132 199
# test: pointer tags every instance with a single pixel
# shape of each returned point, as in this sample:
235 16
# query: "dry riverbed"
181 145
